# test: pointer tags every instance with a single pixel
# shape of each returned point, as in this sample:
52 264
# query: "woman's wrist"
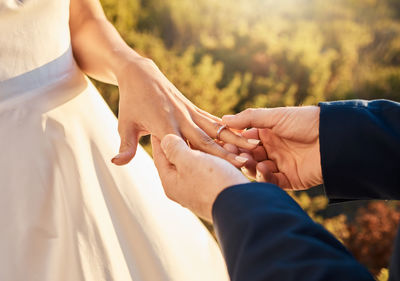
123 60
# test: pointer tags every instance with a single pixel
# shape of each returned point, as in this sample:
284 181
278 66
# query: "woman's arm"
98 48
149 103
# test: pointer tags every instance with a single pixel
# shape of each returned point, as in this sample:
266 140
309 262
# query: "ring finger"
200 140
225 135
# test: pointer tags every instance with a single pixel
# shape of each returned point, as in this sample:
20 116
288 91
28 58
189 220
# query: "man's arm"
360 149
265 235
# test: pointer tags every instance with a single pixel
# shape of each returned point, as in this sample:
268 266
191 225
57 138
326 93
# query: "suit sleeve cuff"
355 148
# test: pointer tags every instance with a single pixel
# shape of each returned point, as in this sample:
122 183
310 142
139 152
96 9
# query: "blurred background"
228 55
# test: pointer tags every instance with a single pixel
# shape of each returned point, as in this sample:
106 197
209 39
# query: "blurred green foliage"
228 55
231 54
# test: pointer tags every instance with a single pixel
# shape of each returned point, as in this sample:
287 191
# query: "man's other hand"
290 156
192 178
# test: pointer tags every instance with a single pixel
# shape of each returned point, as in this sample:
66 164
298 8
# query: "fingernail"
116 157
241 159
228 116
253 141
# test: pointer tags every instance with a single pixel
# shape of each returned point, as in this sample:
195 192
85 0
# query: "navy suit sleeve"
360 149
265 235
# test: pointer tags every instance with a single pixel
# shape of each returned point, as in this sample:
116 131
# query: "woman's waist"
60 77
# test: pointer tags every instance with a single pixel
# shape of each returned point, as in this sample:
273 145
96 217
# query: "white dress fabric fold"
66 212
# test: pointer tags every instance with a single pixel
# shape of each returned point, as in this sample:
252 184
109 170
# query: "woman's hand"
192 178
289 156
149 103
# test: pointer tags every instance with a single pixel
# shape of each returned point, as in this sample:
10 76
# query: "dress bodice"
33 33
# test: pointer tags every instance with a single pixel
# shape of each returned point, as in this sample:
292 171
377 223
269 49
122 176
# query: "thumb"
254 118
175 149
128 147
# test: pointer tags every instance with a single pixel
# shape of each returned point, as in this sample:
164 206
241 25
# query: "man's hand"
192 178
290 156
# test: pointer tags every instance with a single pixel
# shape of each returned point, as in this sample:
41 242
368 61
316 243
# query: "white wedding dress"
66 212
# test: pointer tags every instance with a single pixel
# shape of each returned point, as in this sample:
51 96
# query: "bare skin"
149 102
192 178
289 156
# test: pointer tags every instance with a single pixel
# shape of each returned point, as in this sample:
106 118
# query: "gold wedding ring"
220 130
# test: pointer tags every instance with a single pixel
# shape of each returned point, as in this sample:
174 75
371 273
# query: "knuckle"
151 63
147 60
169 195
248 111
206 140
216 125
